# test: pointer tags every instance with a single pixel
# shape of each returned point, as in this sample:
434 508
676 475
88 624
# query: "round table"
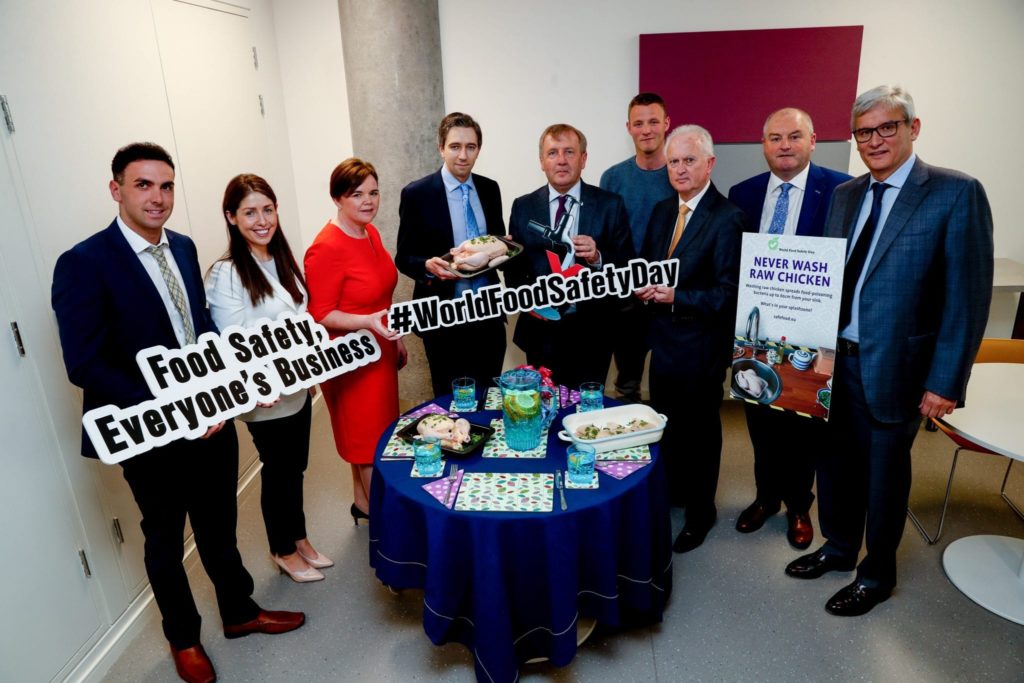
512 586
990 569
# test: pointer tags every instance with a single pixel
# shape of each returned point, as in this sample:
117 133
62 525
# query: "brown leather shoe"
754 517
193 665
266 622
800 532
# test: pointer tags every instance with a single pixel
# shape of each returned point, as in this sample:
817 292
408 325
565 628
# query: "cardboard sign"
787 316
221 376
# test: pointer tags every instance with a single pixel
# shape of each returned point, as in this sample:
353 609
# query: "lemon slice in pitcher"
522 405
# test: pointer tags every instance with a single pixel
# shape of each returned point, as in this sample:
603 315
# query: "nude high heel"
301 576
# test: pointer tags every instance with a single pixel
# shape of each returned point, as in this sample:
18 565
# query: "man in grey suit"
916 293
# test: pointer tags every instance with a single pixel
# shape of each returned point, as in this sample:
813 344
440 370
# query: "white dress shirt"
796 200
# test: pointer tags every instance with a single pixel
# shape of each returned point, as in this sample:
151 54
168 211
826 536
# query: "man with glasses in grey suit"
916 293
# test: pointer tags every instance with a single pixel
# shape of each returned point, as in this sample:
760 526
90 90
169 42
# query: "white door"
52 609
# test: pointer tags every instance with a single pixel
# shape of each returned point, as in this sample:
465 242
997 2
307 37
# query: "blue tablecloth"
512 586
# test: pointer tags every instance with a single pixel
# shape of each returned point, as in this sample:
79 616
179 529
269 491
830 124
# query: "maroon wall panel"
729 81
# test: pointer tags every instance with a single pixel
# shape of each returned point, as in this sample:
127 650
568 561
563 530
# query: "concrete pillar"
395 86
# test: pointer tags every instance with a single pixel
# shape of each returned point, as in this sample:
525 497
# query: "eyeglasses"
886 130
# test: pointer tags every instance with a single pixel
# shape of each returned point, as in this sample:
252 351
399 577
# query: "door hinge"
17 339
255 59
85 563
8 118
263 111
118 534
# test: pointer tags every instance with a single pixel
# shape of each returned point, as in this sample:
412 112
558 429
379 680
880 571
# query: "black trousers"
577 348
864 480
692 443
199 479
474 350
785 450
630 352
283 445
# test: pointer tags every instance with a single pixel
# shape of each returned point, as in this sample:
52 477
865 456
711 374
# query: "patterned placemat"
497 448
397 448
634 454
592 485
506 492
493 399
453 409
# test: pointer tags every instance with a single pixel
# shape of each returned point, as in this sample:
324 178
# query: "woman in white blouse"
259 278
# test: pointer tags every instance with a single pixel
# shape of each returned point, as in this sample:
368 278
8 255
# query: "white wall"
518 67
313 79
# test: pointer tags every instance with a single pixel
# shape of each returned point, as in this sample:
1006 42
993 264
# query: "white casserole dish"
619 415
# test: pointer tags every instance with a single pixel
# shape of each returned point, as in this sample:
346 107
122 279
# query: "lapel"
442 225
853 204
590 223
811 203
280 292
695 223
135 283
538 207
909 198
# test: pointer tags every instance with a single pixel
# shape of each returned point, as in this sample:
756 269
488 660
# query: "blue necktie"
859 255
778 224
472 228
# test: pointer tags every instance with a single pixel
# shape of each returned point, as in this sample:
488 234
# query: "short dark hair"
458 120
350 174
557 130
137 151
645 99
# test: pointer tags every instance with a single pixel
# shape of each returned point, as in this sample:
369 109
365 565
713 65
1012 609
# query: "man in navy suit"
691 328
591 229
916 293
435 214
129 287
790 199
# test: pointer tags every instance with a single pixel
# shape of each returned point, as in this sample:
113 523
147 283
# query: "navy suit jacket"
749 195
108 309
926 293
425 230
602 215
693 336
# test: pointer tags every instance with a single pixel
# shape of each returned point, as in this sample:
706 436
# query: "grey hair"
701 133
801 112
892 96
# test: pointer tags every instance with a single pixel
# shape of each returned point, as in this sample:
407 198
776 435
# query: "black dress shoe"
800 531
693 534
856 599
814 565
754 517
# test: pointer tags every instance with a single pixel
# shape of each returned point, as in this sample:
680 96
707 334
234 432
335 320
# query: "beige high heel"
302 576
321 561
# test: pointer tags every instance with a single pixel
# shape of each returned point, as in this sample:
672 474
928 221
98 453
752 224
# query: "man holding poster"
130 287
915 301
790 199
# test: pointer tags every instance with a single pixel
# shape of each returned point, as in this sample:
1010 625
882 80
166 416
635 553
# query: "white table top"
994 414
1008 276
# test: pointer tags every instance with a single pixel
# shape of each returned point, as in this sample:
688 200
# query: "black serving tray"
408 433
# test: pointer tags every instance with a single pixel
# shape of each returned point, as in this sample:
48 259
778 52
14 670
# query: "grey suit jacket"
926 293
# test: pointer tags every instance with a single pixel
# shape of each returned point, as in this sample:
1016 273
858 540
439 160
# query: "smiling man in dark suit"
691 325
916 293
127 288
437 213
592 230
790 199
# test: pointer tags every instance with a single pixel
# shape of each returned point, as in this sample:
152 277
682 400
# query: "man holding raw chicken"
451 208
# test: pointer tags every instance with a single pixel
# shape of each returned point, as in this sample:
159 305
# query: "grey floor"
733 614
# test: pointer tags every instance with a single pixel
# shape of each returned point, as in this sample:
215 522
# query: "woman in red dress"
351 278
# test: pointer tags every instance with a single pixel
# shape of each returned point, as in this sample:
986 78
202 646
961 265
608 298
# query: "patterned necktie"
778 224
559 215
859 255
177 296
680 226
472 228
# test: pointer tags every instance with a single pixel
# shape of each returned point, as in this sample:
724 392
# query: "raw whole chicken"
751 383
453 433
478 253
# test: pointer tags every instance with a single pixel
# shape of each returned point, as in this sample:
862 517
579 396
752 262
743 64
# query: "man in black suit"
437 213
691 326
130 287
791 199
588 227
